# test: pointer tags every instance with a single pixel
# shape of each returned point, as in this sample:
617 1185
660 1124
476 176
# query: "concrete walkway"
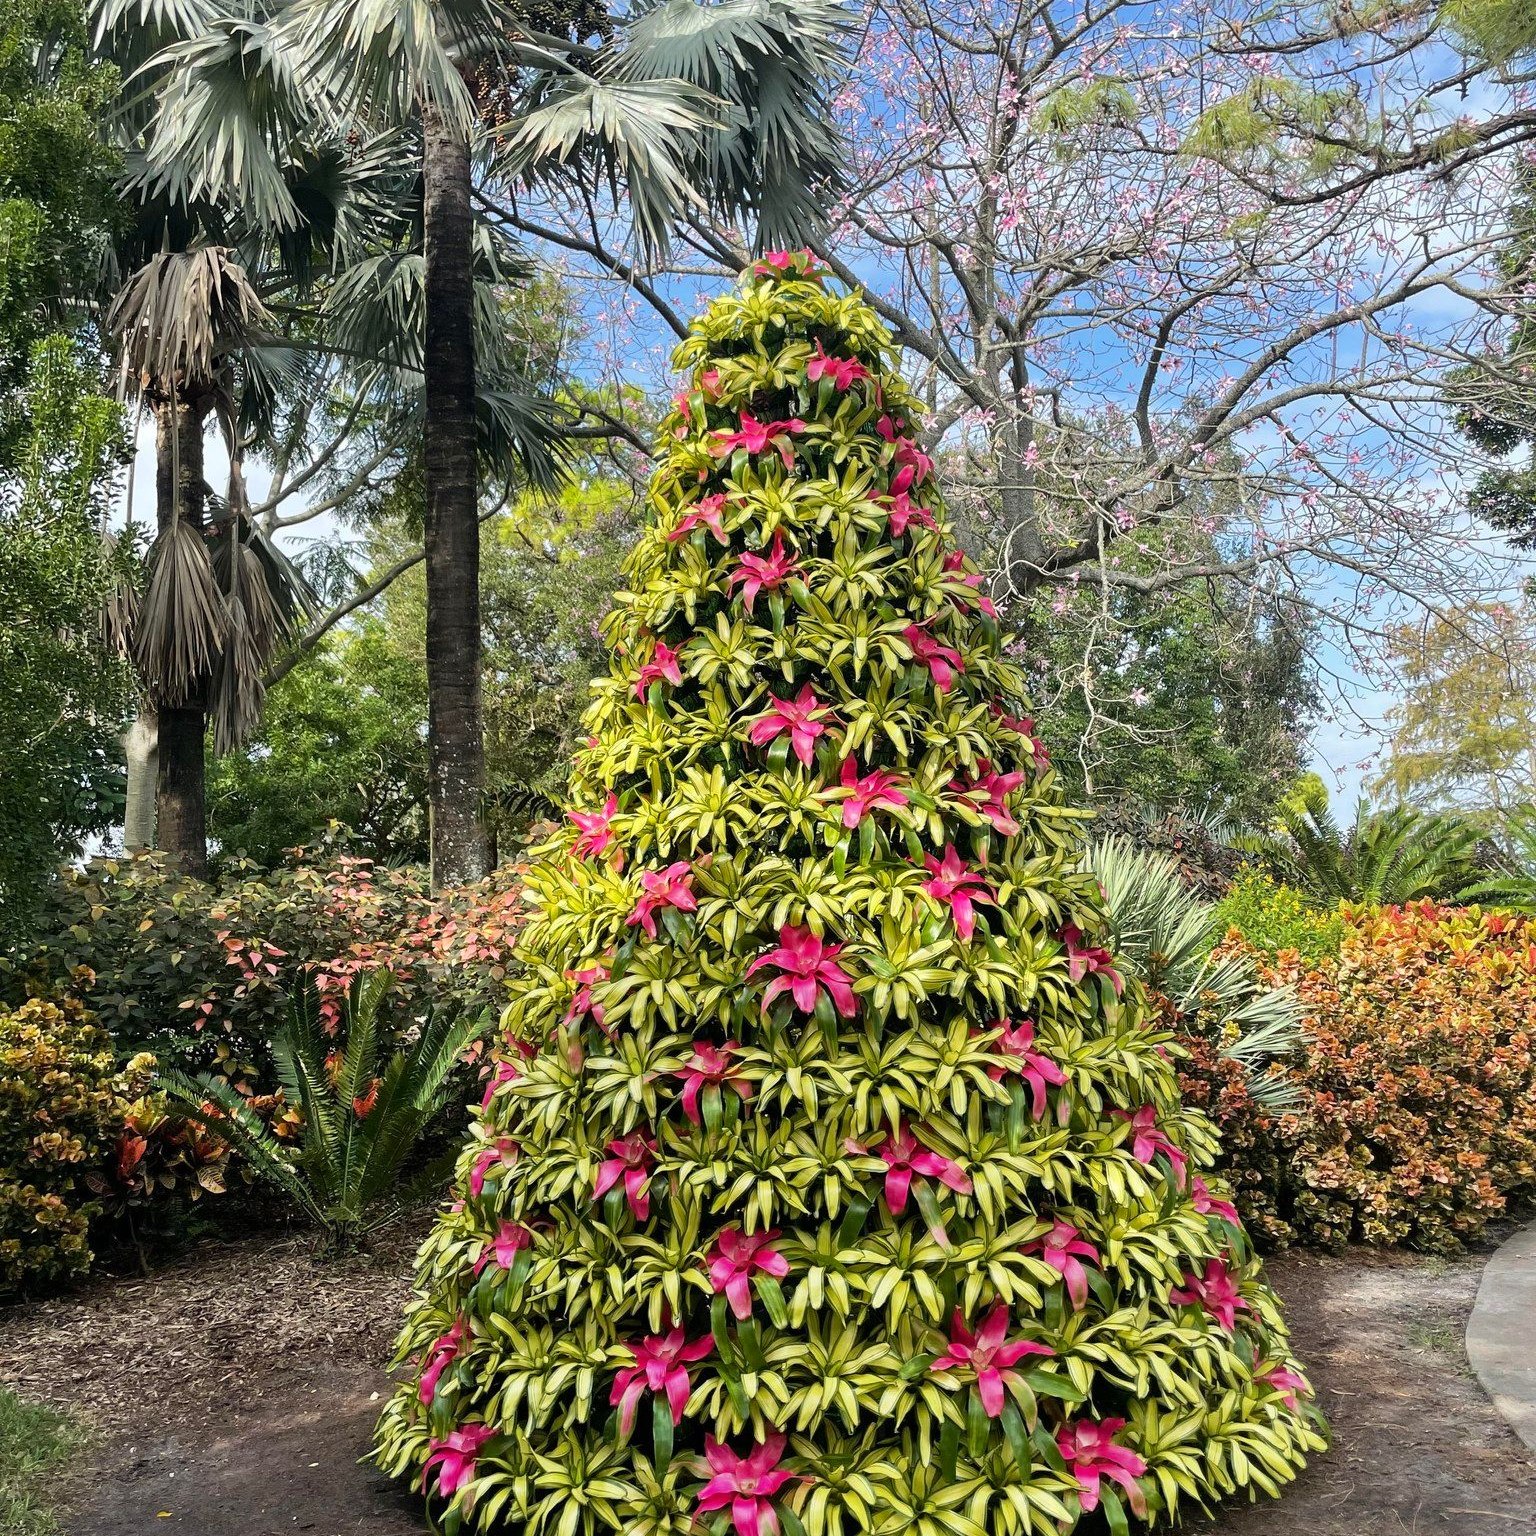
1501 1333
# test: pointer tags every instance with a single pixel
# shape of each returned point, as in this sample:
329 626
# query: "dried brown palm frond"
238 690
181 314
182 620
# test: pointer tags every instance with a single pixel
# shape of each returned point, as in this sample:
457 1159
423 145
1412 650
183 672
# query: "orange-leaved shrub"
1415 1122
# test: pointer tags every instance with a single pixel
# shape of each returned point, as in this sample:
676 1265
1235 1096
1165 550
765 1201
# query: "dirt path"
235 1395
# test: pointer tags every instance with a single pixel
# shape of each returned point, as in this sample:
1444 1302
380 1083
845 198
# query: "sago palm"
363 1116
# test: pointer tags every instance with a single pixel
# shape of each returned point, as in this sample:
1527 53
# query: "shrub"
1416 1122
202 976
61 1109
1269 918
841 1121
362 1116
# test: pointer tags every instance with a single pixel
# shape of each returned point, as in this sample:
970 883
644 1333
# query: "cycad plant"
1165 936
1384 858
364 1115
848 1187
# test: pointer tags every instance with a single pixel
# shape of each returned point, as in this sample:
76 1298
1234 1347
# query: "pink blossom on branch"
669 887
710 1066
736 1257
861 794
987 1354
661 1365
630 1159
804 717
594 827
955 885
763 573
809 967
745 1484
1088 1447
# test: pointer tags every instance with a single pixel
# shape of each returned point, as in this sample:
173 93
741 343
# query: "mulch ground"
235 1394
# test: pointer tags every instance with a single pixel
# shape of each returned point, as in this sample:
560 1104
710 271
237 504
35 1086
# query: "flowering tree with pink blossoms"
1180 285
847 1186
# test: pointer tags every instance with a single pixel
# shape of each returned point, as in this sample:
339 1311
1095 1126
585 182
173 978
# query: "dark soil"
235 1395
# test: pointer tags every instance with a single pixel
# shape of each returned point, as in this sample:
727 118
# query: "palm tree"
1387 856
709 108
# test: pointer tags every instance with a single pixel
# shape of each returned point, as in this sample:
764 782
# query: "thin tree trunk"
181 824
460 850
141 751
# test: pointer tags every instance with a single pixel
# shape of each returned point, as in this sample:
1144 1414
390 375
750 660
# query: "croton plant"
832 1179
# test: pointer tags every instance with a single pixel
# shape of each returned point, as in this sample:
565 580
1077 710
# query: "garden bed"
233 1396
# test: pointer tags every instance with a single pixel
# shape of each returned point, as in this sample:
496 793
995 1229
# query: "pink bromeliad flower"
913 466
903 512
745 1484
907 1158
988 1354
441 1353
710 1067
631 1158
843 371
505 1072
1287 1383
502 1155
759 436
777 263
582 1005
1064 1248
709 384
1215 1290
455 1457
669 887
661 668
736 1257
808 965
862 794
661 1365
1148 1139
996 787
1208 1205
596 834
943 661
1025 728
763 573
1083 959
1088 1447
510 1240
954 563
705 513
1017 1046
805 717
953 883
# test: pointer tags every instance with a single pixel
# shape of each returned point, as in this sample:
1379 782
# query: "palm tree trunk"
142 755
181 824
457 752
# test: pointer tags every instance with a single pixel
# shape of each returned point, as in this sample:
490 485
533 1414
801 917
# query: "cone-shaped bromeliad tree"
834 1181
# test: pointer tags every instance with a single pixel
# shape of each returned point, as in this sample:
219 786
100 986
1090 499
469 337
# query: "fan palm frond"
1164 935
180 315
182 620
